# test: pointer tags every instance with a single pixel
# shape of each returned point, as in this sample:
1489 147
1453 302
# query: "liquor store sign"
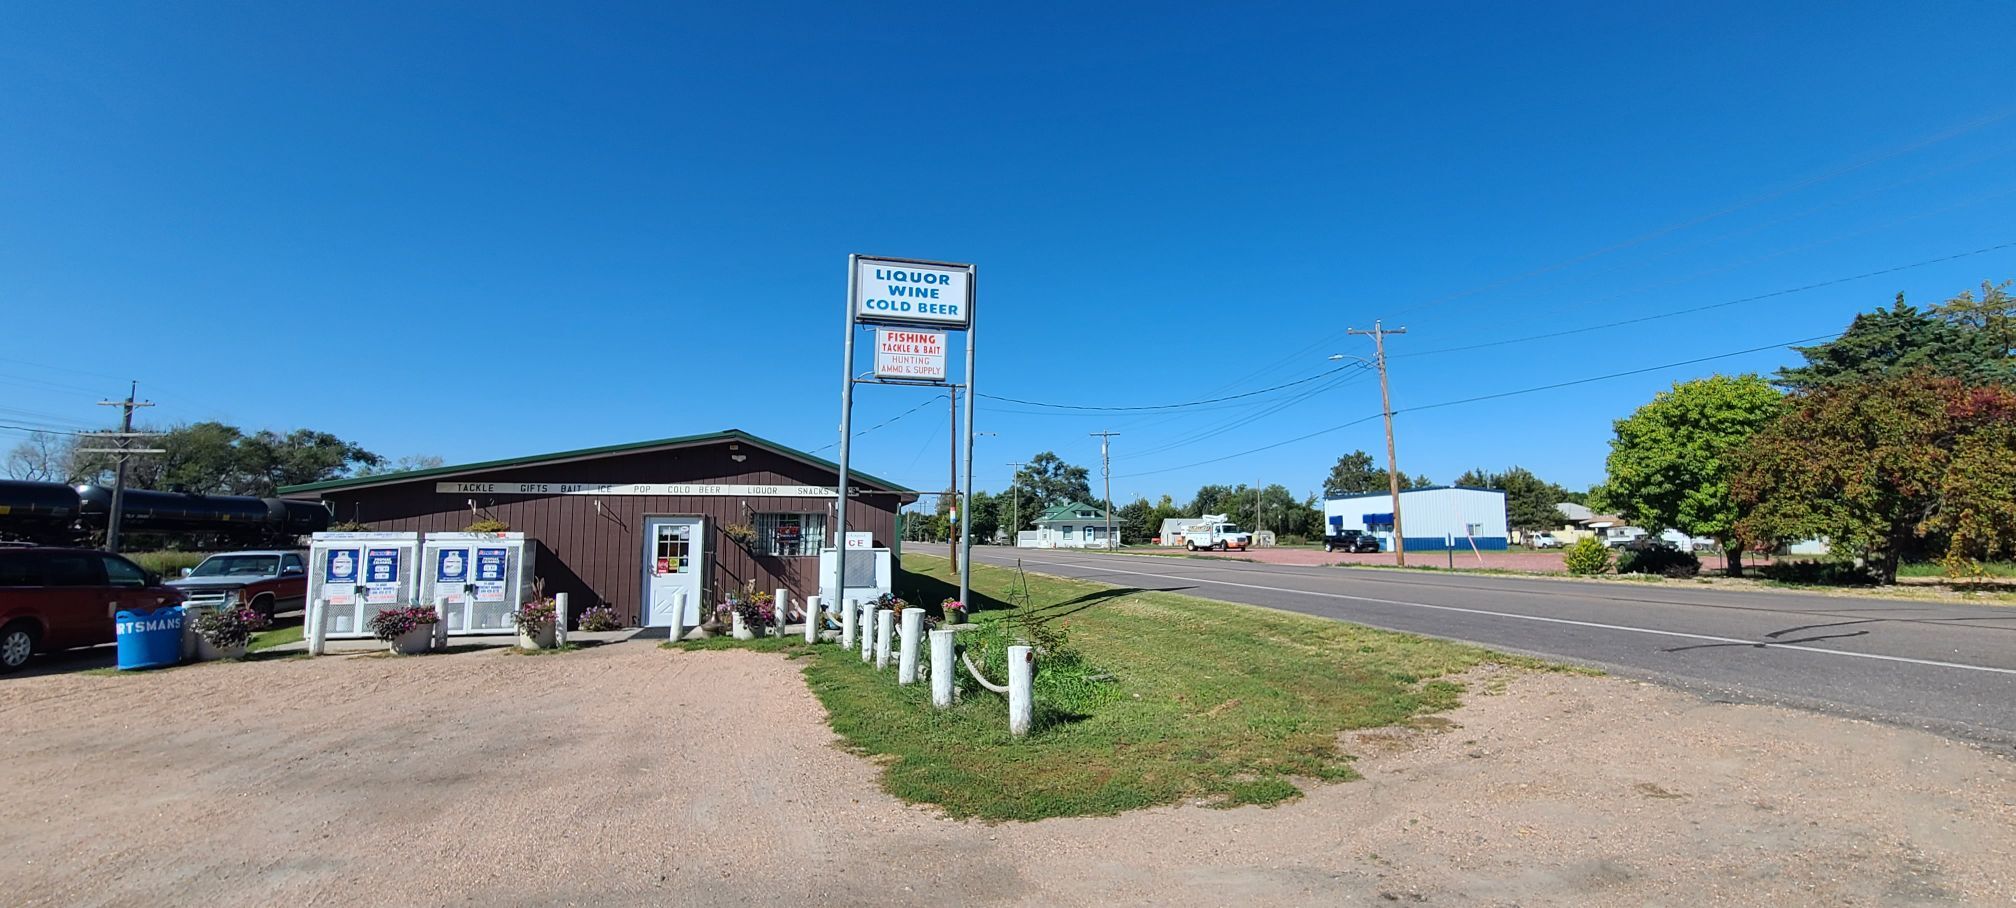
896 292
910 355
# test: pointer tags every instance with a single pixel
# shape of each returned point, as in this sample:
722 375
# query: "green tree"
1214 499
1885 468
1901 340
1531 503
1046 480
1670 461
1993 314
212 458
1136 520
1354 474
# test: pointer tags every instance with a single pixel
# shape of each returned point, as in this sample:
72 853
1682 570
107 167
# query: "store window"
789 535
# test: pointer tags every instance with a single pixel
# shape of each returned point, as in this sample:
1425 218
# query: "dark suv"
57 598
1351 541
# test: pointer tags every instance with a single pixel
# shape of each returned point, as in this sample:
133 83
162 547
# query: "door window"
120 572
674 549
71 569
291 564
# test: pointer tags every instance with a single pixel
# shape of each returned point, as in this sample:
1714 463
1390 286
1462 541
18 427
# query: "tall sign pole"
846 436
966 491
917 296
1379 333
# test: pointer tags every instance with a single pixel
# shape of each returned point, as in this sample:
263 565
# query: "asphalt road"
1946 667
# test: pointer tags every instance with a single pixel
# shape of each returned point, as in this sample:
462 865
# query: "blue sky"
490 230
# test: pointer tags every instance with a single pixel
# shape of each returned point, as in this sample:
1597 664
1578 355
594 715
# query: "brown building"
629 525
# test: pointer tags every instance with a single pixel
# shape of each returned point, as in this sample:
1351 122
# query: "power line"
934 399
1735 302
1469 400
1209 400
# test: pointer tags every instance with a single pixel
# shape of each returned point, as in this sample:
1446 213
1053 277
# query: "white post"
318 626
850 618
780 603
868 632
885 624
814 618
941 668
560 619
913 628
678 628
1021 689
440 621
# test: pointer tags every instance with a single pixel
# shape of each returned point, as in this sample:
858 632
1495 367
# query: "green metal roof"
632 447
1069 511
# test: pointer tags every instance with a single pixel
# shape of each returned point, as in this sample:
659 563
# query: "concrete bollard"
780 605
678 628
317 619
850 618
868 632
885 626
440 621
560 619
1021 689
913 628
941 668
814 618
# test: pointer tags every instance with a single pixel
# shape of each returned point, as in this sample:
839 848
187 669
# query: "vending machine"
361 574
483 576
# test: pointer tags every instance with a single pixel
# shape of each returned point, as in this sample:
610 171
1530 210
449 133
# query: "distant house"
1434 518
1071 525
1172 530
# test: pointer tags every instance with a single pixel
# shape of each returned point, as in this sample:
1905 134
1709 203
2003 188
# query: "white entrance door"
675 560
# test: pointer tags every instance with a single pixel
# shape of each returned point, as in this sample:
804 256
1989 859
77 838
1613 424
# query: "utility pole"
1378 334
1106 471
1015 504
122 446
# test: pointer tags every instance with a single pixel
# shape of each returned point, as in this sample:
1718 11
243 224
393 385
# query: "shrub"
1659 560
601 618
1818 573
1587 556
229 627
393 623
166 564
533 615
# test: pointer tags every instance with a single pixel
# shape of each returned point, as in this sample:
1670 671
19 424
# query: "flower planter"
210 653
415 641
540 637
742 631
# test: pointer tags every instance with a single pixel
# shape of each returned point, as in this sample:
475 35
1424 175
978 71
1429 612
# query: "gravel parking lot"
628 774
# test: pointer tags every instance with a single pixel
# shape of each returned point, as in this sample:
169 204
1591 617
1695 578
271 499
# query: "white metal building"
1433 517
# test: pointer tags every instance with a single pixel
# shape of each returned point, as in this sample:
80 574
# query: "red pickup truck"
61 598
270 581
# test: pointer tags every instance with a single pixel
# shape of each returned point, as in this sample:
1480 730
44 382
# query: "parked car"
62 598
270 581
1351 541
1544 541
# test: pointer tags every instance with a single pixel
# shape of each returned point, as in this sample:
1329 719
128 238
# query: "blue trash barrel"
149 638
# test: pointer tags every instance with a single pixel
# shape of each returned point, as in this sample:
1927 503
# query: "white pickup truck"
1213 532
